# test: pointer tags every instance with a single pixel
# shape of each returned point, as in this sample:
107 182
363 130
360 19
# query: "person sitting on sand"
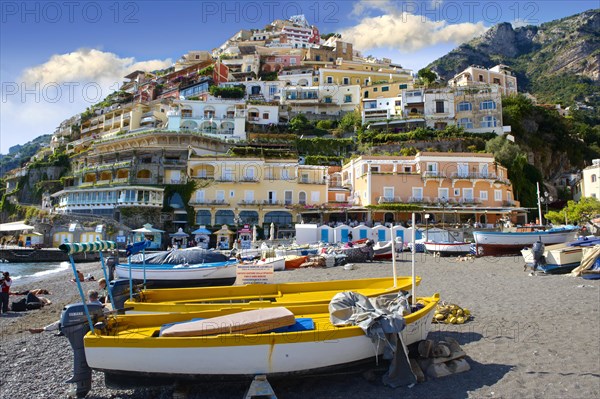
79 276
92 300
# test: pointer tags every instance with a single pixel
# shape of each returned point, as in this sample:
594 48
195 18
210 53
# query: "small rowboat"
248 296
448 248
294 261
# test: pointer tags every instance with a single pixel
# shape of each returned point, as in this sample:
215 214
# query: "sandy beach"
531 337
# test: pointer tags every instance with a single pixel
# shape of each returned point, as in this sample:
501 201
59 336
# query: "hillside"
558 61
19 154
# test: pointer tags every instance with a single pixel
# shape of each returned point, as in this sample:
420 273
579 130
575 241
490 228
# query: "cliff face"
569 47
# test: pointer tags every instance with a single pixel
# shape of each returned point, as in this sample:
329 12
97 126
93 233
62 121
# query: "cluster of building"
176 125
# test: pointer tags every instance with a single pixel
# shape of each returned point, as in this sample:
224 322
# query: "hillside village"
283 125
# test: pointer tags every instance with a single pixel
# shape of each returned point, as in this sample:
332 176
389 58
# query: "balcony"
433 174
469 201
271 203
248 202
249 179
389 200
311 181
419 200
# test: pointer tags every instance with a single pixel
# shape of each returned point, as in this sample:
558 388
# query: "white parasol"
272 232
254 234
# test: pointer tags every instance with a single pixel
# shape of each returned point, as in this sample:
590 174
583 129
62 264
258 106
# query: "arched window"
302 198
249 217
224 217
203 218
465 106
279 218
593 178
489 104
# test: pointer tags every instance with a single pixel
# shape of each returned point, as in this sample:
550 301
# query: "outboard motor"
120 292
538 254
111 262
74 325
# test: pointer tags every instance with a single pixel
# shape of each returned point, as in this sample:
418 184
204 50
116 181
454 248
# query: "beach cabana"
245 236
202 237
380 233
325 234
361 232
224 237
149 233
306 233
340 233
179 239
399 231
90 236
31 239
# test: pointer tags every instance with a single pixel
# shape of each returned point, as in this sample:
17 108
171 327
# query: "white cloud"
89 65
362 7
407 32
65 85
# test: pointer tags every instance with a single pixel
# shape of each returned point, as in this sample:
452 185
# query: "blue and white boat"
511 242
189 267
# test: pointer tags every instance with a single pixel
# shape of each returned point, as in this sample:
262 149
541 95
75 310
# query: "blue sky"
58 57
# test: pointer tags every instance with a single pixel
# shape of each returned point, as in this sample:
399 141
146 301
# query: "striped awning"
96 246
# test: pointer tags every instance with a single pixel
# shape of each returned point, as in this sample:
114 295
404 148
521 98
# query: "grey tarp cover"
382 321
190 256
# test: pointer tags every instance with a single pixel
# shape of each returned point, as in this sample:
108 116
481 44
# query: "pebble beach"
530 337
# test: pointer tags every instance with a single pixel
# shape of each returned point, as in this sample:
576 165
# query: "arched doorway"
224 217
279 218
388 217
249 217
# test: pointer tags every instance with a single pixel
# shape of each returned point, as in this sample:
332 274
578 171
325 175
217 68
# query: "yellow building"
362 74
449 186
238 190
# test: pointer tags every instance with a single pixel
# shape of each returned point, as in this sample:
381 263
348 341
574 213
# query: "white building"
325 100
500 75
589 185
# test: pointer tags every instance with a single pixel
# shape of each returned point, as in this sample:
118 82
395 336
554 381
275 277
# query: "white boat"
448 248
277 262
561 258
511 242
179 268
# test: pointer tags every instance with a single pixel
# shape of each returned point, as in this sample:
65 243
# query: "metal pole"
414 249
85 307
539 203
110 297
393 257
130 280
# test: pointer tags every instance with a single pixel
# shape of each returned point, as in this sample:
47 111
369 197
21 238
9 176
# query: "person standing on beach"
5 290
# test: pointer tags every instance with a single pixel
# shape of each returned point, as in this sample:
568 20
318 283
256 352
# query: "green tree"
427 76
576 212
299 124
350 121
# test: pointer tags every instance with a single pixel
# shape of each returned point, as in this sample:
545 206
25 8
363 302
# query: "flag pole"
414 249
394 257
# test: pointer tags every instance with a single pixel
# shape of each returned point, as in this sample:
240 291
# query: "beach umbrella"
272 232
254 235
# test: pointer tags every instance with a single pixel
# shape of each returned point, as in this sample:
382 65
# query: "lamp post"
546 199
426 230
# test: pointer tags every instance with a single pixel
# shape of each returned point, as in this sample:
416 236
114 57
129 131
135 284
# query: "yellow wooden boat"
253 295
131 346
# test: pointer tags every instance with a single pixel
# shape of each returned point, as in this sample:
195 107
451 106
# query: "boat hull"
242 355
507 243
180 276
251 296
448 248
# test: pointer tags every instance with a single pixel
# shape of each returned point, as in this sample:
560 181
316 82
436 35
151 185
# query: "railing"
249 179
271 202
419 200
311 181
248 202
388 200
434 174
508 203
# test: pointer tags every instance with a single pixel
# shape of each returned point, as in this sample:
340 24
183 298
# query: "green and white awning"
76 247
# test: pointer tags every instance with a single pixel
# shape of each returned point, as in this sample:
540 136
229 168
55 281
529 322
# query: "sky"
59 57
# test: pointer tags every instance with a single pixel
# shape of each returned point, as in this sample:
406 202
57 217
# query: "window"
367 94
443 194
302 198
327 100
340 197
489 104
483 170
439 107
374 168
385 88
346 81
388 192
288 197
329 79
403 86
227 174
463 169
248 196
231 193
417 193
465 106
594 178
497 195
200 196
483 195
432 169
481 78
375 89
465 123
285 174
468 194
457 192
348 98
315 197
203 217
265 115
250 173
272 197
220 196
488 121
407 169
